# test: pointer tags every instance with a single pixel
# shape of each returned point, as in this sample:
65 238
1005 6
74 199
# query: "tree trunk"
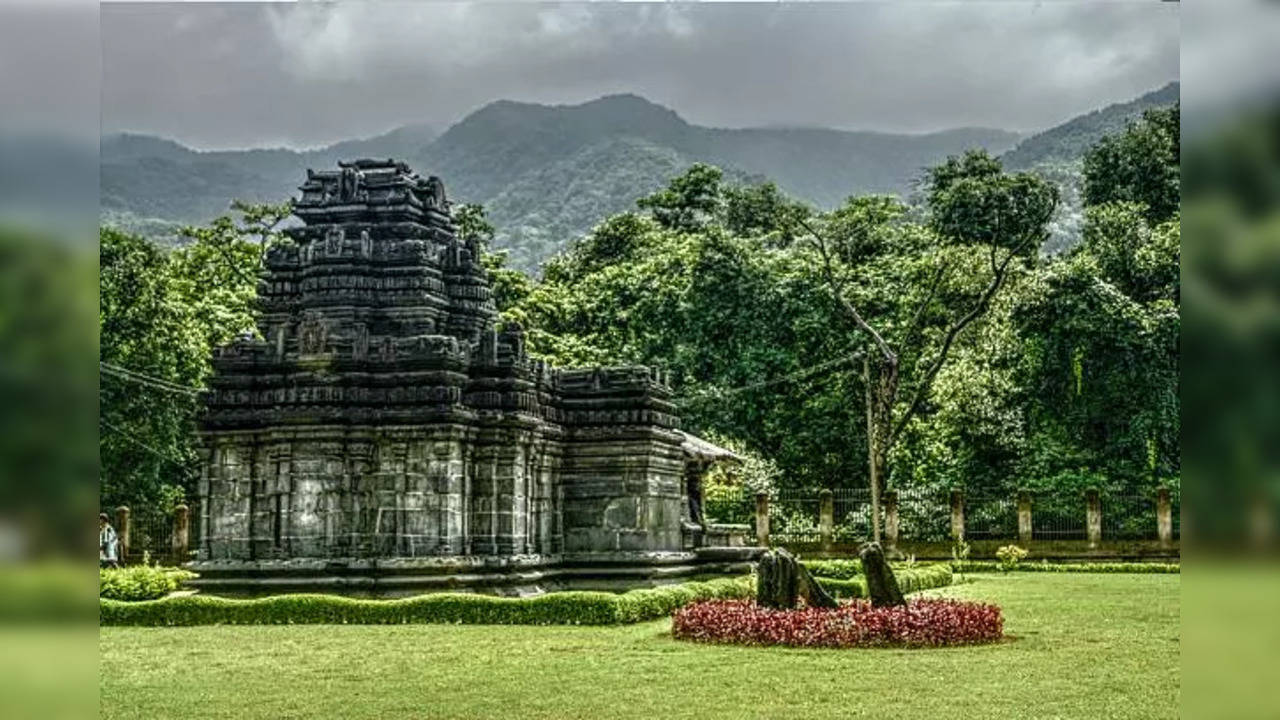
781 581
873 464
882 586
880 397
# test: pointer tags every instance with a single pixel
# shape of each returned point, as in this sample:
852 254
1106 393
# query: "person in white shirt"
108 543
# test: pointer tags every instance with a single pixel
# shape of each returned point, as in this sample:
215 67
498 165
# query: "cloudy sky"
239 75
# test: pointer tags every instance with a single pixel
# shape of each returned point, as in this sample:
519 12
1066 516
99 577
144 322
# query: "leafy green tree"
975 208
1141 165
148 328
1100 333
161 314
692 201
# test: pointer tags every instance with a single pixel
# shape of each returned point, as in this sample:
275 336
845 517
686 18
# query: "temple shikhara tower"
384 419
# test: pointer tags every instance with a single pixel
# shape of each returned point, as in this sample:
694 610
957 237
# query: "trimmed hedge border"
559 608
910 580
981 566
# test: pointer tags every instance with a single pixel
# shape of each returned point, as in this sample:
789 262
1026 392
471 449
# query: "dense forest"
987 365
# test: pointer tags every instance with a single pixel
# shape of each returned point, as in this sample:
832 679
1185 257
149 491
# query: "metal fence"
795 515
150 535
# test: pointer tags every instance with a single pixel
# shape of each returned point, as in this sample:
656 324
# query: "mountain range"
546 174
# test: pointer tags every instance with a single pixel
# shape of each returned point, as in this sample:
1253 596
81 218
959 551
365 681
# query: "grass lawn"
1085 646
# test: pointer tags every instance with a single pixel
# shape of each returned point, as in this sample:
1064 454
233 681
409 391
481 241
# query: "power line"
801 374
134 376
136 441
143 377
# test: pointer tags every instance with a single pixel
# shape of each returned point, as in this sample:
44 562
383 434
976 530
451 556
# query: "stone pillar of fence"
957 515
762 519
1093 517
1164 517
181 533
890 520
122 532
1024 517
827 519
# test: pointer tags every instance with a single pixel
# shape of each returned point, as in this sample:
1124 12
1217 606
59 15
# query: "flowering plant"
920 623
1009 557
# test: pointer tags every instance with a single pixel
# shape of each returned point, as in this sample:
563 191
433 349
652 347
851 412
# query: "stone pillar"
826 519
957 515
1093 517
762 519
122 531
1024 517
1164 517
181 533
890 520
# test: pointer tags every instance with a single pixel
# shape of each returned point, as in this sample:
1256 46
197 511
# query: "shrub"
1009 556
920 623
838 569
561 608
140 582
1085 567
909 580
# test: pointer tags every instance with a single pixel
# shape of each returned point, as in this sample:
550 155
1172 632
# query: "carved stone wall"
383 414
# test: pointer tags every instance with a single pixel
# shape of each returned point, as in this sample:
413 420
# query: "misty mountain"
1057 154
1069 141
154 185
546 173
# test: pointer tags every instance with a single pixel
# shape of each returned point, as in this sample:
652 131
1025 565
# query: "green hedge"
977 566
140 582
838 569
920 577
561 608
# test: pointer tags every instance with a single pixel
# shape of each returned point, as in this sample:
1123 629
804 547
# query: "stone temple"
385 432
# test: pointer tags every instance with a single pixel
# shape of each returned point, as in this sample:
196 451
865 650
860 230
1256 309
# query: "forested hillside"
1057 155
547 174
519 159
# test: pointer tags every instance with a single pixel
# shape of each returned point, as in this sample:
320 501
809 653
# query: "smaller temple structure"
384 431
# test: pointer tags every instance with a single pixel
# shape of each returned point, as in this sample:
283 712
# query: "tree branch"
922 388
837 290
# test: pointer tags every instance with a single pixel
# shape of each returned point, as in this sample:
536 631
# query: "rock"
781 581
882 586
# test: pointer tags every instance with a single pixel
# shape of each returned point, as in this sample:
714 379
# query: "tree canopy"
1009 369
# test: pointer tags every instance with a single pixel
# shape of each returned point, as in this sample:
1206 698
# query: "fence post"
1093 517
827 519
1164 517
1024 517
122 532
181 533
957 515
762 519
890 520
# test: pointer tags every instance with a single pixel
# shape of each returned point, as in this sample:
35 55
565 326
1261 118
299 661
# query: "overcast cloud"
305 75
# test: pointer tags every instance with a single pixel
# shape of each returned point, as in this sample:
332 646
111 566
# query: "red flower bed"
921 623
